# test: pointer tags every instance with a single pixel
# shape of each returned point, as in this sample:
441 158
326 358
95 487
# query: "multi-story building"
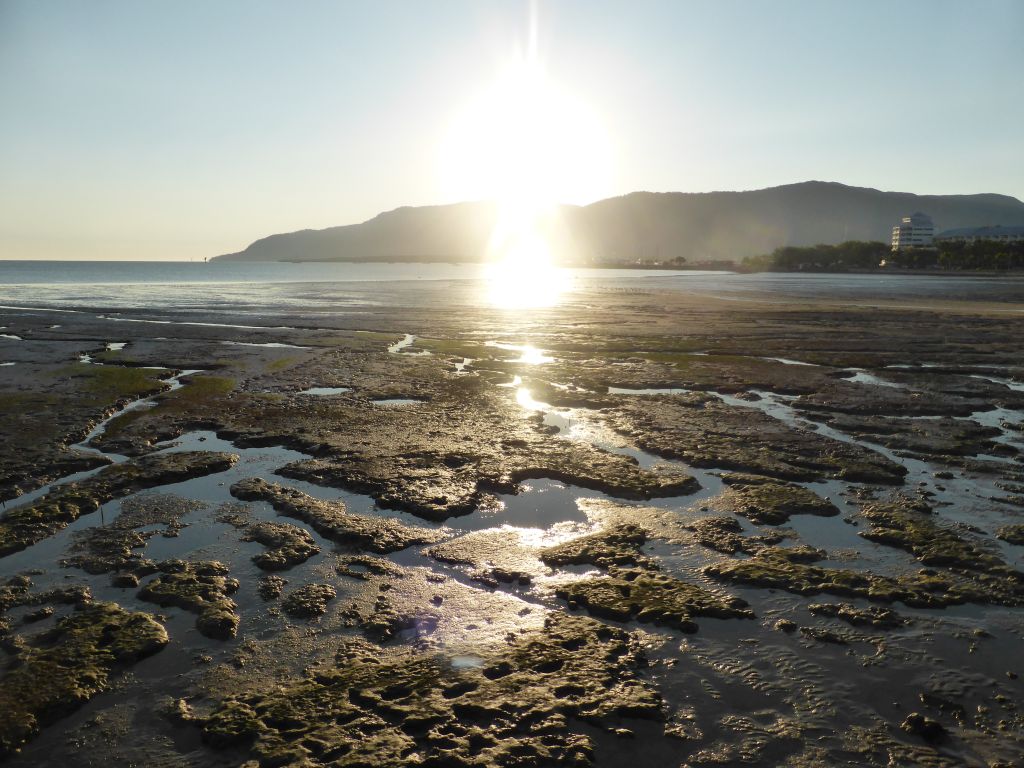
914 231
971 234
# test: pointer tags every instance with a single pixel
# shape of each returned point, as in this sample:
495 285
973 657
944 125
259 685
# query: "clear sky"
179 130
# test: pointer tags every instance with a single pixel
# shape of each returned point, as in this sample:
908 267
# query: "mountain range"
650 226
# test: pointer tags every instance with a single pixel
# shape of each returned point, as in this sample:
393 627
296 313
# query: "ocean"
339 287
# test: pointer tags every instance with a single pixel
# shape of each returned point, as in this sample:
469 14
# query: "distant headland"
654 228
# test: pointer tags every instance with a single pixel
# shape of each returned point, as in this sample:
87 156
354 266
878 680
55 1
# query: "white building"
971 234
913 232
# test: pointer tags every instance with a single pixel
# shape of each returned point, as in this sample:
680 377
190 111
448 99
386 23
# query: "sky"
145 130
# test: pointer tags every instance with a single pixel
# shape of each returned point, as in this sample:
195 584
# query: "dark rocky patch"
928 729
271 587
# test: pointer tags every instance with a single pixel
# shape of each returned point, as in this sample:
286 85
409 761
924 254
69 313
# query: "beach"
301 514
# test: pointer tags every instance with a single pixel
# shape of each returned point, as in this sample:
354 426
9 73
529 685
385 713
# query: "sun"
526 143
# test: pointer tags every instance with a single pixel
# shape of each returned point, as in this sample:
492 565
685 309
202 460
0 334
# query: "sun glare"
529 145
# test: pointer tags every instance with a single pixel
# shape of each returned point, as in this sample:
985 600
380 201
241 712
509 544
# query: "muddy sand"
646 525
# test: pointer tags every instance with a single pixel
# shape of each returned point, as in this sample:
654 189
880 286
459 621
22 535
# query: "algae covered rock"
287 545
773 503
873 616
309 601
1012 534
198 587
633 587
331 520
794 570
615 545
628 593
523 704
55 672
704 432
910 525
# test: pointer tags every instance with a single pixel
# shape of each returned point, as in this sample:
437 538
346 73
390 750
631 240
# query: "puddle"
191 322
10 336
1016 386
116 346
860 376
325 391
4 365
399 347
788 361
528 354
539 504
649 391
270 344
396 401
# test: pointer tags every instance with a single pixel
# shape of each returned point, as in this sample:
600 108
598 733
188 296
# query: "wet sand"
703 528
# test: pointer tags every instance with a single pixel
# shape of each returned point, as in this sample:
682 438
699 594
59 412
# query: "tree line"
857 255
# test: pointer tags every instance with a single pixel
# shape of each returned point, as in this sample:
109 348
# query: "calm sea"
251 287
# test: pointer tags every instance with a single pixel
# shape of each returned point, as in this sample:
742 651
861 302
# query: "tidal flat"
645 525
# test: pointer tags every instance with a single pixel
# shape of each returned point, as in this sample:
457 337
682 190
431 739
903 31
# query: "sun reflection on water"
528 354
514 285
